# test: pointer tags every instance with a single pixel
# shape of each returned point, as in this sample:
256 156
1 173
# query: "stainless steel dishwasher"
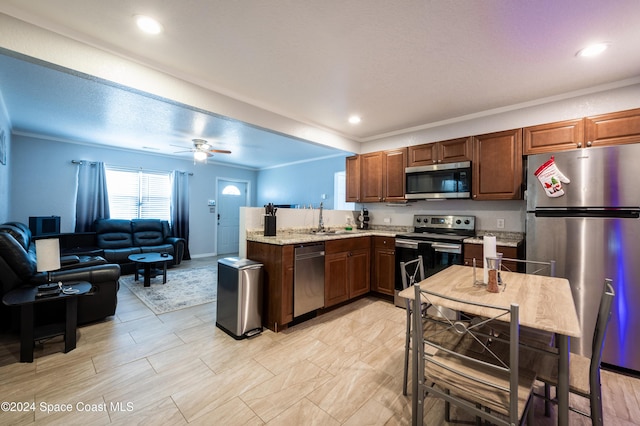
308 281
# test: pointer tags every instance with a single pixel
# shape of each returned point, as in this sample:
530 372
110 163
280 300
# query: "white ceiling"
401 65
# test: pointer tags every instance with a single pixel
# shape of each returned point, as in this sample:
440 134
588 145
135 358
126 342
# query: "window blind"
138 194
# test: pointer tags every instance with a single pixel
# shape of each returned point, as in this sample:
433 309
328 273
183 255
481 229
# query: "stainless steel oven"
438 239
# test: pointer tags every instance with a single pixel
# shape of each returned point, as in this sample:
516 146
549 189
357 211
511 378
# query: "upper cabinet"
602 130
376 176
551 137
616 128
497 166
353 179
450 151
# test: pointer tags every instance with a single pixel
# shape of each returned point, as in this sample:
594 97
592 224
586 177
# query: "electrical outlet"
387 220
500 224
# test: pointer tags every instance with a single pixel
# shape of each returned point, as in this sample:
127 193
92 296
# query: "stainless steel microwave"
451 180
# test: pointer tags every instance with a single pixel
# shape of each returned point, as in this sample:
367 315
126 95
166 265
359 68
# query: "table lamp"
47 256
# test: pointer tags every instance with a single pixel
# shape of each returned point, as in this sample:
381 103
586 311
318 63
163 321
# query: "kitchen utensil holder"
269 226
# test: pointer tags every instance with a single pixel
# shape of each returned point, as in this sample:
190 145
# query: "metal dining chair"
490 380
412 272
581 368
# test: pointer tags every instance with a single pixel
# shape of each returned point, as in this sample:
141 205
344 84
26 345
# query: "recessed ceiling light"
148 24
354 119
593 50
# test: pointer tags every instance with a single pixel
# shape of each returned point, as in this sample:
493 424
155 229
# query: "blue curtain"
92 200
180 208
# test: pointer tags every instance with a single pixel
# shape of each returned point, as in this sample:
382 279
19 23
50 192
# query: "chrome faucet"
320 221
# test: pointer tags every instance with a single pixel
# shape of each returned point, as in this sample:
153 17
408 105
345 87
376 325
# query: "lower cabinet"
472 251
346 270
383 265
277 263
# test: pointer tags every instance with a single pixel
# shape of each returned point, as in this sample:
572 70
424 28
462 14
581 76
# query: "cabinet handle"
589 143
579 144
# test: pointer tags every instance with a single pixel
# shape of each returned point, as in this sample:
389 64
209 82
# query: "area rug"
184 288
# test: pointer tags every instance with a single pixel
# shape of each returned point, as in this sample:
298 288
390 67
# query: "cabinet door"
336 279
278 282
383 266
358 269
455 150
353 179
423 155
451 151
393 174
552 137
497 166
371 173
617 128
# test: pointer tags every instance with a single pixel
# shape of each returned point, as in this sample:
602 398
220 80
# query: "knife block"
269 226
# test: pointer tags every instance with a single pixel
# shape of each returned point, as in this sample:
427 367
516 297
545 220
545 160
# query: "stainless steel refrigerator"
590 226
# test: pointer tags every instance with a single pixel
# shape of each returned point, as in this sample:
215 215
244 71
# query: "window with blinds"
138 194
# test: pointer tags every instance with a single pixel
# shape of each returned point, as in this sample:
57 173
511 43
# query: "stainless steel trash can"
239 305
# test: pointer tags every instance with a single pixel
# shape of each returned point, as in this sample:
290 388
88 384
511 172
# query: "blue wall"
302 183
43 182
5 169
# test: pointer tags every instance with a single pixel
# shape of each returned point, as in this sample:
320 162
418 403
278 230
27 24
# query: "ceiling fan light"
199 155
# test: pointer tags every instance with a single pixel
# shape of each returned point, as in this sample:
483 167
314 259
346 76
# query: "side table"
25 298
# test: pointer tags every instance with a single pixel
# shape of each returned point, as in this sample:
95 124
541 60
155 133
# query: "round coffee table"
149 260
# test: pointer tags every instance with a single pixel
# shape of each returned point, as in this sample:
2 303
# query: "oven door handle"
409 244
447 248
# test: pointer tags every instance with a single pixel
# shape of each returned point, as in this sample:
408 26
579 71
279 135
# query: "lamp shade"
47 255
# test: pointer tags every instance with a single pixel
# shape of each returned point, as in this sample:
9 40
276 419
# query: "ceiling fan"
202 150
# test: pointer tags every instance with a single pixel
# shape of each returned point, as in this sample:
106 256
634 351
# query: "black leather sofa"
119 238
18 268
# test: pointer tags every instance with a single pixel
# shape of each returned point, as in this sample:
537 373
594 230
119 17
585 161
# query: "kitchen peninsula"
356 262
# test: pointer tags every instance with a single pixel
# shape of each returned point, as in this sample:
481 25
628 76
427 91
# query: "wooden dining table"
546 304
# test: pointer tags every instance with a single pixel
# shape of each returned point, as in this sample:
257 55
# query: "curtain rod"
93 163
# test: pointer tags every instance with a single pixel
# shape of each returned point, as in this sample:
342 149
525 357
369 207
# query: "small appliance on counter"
363 219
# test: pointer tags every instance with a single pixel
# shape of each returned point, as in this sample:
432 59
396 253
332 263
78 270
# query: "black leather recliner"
18 268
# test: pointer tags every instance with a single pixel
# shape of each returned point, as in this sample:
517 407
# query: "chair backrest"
599 334
410 270
476 370
534 267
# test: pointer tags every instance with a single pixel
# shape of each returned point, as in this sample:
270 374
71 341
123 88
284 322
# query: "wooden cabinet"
616 128
376 176
472 251
278 282
450 151
383 265
497 166
346 273
552 137
353 179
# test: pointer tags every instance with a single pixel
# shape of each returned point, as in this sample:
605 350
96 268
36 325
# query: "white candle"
489 243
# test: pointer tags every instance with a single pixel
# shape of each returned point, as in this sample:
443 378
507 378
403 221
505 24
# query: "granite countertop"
299 236
505 239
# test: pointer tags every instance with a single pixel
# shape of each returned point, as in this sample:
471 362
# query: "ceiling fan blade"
178 152
180 146
220 151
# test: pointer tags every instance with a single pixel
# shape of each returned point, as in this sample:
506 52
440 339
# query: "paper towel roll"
489 244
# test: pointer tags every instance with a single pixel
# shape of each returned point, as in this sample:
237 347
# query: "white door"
231 196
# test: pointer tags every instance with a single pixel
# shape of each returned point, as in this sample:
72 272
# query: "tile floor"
342 368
